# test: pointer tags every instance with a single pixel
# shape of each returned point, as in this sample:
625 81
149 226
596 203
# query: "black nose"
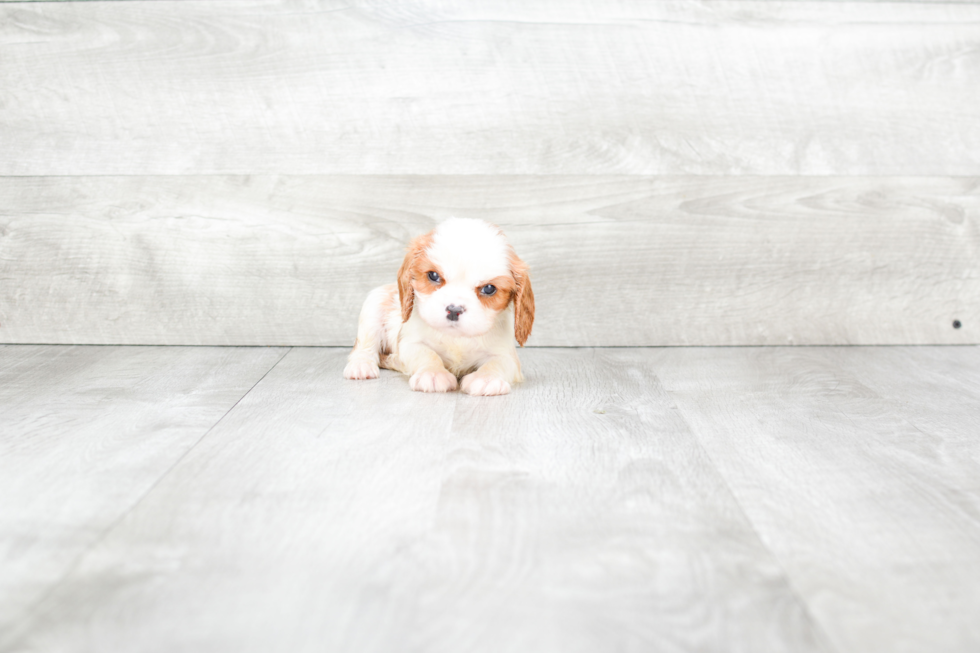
453 312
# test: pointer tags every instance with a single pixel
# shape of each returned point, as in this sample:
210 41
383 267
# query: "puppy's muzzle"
453 312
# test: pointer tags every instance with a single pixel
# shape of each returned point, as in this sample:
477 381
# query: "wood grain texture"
576 514
85 432
866 493
938 390
437 87
615 260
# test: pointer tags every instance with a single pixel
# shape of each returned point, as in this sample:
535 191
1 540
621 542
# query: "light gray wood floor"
693 499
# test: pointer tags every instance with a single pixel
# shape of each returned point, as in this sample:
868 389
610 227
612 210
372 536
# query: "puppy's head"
461 275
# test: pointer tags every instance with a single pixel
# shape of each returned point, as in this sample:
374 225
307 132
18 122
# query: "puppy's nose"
453 312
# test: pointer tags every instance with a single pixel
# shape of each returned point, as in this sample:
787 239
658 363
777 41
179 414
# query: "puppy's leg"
362 363
493 377
427 373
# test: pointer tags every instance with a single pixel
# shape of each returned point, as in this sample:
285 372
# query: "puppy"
461 299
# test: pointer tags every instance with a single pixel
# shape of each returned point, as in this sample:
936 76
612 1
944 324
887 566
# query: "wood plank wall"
676 173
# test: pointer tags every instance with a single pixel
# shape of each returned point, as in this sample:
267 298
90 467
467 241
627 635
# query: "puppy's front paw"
428 380
484 385
359 368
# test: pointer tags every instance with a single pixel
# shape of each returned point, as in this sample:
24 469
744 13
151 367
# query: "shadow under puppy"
461 299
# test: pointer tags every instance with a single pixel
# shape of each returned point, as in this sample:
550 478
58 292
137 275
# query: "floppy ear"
523 300
406 293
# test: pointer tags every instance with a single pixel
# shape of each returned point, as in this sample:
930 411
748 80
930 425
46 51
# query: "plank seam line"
824 638
347 346
632 176
31 612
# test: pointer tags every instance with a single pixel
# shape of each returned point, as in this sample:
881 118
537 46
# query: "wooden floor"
695 499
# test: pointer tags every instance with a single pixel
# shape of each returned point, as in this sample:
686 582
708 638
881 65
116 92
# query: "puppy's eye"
434 277
488 290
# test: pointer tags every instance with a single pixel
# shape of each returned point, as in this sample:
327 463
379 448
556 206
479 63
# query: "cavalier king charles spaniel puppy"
461 299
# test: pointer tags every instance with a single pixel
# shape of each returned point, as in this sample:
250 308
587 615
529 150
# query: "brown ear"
523 300
406 293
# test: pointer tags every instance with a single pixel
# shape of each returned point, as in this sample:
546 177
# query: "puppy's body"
461 298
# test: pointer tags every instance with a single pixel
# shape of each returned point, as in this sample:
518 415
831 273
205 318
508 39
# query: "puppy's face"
461 275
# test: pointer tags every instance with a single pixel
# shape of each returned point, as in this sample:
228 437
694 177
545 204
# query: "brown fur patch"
406 291
523 299
420 275
499 300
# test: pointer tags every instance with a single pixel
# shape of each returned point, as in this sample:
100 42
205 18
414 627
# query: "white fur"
432 350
